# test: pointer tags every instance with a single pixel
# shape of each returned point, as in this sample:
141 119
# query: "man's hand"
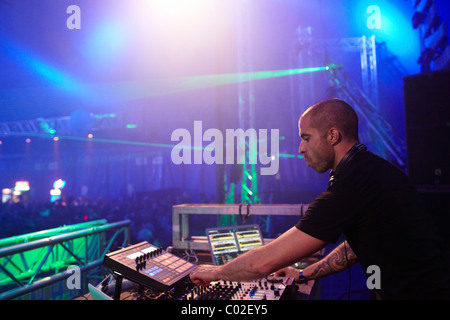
289 272
204 274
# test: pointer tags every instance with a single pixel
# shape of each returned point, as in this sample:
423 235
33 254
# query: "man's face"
317 153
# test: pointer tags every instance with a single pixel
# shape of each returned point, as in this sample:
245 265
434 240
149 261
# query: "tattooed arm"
334 262
341 258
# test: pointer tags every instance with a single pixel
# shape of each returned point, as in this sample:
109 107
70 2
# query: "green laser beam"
130 90
223 79
127 142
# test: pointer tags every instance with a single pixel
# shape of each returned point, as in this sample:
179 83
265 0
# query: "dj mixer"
162 271
264 289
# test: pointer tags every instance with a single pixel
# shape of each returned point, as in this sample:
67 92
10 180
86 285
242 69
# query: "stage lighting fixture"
6 194
59 184
22 186
45 126
55 192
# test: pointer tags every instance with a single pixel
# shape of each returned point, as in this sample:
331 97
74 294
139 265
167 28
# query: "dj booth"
144 271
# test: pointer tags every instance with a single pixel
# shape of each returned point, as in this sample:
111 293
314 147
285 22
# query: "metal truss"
246 107
376 123
390 62
435 51
6 242
367 48
60 125
63 126
365 99
30 266
309 49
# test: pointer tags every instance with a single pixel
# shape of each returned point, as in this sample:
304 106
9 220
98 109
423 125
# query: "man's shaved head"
336 113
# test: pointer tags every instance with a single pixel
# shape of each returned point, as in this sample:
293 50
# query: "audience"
150 214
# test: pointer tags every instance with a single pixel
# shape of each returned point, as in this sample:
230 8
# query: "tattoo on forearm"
339 259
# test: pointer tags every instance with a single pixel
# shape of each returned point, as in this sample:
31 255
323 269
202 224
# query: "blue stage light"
45 70
106 44
390 22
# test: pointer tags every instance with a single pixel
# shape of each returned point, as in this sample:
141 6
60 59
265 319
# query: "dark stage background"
130 73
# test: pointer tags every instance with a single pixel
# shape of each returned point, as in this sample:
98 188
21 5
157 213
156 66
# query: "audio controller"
167 277
149 266
264 289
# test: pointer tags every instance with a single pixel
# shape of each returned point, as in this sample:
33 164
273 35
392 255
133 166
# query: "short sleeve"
327 216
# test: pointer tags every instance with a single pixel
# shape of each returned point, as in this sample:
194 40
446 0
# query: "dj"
368 201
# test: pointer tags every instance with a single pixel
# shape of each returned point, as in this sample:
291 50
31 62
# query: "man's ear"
334 136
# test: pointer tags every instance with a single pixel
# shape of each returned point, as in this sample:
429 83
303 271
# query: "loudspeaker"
437 202
427 124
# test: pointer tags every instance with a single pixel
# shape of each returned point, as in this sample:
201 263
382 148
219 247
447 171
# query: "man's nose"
302 148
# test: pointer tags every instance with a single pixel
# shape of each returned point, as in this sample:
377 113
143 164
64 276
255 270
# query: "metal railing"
30 266
32 236
183 237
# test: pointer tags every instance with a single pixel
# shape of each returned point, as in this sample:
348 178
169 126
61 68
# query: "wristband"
301 277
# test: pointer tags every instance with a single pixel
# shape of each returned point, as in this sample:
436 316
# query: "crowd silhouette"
150 214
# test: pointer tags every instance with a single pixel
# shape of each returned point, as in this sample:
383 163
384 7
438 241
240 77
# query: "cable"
190 254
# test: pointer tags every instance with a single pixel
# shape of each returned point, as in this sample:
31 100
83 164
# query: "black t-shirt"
377 209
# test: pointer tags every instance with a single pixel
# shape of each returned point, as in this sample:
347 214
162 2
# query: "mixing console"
264 289
164 272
